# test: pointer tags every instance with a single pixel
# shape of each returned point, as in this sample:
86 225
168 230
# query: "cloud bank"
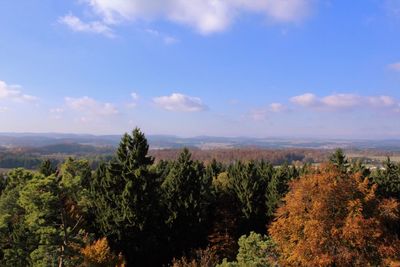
343 101
89 106
205 16
14 93
77 25
179 102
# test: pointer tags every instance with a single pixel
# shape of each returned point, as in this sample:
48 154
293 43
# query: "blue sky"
303 68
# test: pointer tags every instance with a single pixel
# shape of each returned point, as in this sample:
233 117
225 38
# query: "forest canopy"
130 210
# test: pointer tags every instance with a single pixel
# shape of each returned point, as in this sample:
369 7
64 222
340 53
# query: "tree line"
131 211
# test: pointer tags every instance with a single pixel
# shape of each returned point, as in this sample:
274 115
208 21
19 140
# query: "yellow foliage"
333 218
99 254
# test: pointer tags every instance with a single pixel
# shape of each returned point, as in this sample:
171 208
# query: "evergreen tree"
55 209
255 250
338 159
16 240
125 200
248 183
186 197
388 180
215 168
2 182
358 167
279 186
46 168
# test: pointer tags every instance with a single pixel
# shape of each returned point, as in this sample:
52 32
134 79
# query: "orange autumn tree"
99 254
334 218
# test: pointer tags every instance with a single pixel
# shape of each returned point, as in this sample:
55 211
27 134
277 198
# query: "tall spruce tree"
338 159
388 179
125 199
46 168
186 198
279 186
16 239
248 183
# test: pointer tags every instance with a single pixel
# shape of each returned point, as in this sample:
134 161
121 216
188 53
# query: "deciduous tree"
332 218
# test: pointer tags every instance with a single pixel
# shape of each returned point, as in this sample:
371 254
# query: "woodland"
133 210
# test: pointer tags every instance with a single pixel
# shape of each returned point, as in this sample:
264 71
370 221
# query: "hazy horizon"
281 137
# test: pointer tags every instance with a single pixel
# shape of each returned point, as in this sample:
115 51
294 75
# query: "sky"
257 68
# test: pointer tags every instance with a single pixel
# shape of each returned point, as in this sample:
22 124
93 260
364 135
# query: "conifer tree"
278 187
55 208
16 240
388 179
248 185
338 159
125 200
46 168
186 197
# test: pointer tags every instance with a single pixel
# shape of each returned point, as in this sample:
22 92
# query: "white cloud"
55 113
341 101
3 109
277 107
167 39
305 100
261 114
206 16
344 101
381 101
77 25
135 98
14 93
89 106
180 102
394 66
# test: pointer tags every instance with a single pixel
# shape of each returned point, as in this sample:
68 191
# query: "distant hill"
54 141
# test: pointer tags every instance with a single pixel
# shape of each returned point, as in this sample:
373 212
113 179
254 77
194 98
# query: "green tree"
55 210
40 201
388 179
338 159
248 183
255 250
46 168
125 200
359 167
186 198
278 187
16 239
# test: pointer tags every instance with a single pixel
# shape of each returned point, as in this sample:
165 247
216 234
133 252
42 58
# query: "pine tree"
359 167
338 159
248 183
278 187
125 200
255 250
46 168
186 198
55 209
16 239
388 180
